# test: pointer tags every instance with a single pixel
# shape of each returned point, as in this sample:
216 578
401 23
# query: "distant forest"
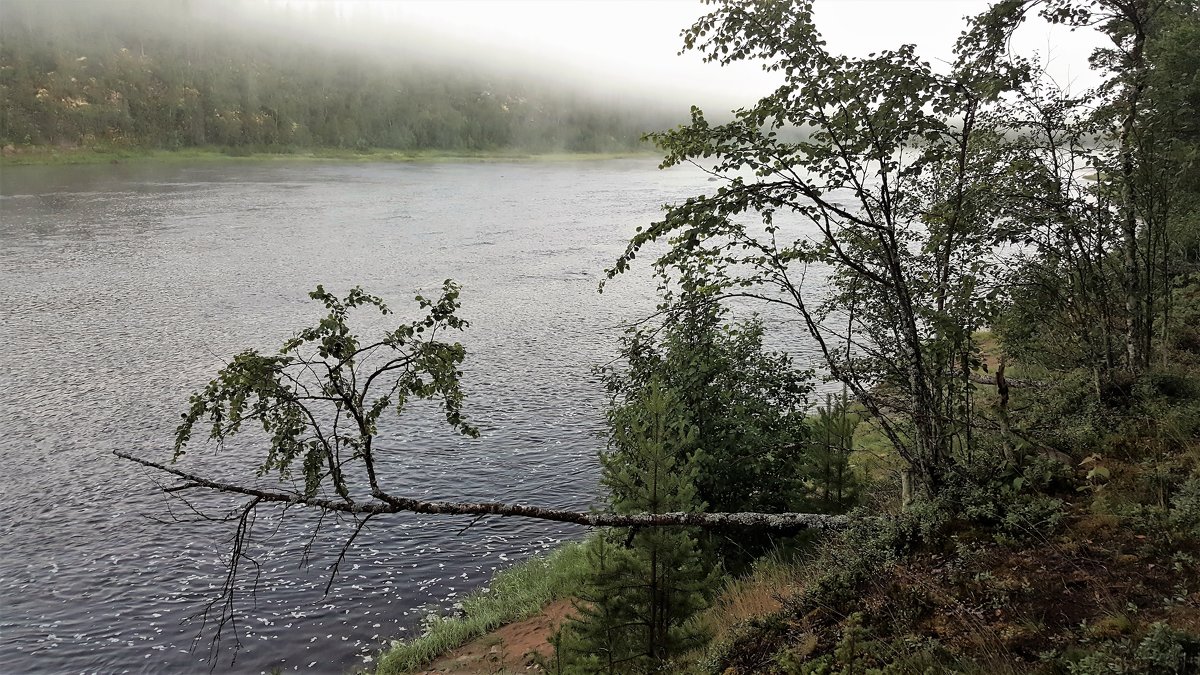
135 73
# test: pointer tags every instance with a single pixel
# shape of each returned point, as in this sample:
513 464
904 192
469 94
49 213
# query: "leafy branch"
321 401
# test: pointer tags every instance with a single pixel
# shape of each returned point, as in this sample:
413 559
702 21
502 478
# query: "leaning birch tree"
874 228
317 406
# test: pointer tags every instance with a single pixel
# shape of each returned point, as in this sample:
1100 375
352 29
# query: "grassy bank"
43 156
514 594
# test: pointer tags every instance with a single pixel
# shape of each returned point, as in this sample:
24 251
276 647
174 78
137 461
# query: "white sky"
630 46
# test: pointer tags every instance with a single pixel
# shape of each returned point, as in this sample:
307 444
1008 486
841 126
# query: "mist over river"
124 288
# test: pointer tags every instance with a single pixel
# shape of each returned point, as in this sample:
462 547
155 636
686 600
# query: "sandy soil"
508 649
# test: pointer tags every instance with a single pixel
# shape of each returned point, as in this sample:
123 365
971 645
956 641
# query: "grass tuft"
514 594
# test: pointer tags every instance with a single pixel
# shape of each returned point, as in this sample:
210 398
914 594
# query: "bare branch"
333 569
391 504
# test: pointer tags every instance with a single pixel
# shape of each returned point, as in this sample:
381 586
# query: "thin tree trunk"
389 504
1134 341
1002 413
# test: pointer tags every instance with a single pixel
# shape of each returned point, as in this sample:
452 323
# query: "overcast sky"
631 46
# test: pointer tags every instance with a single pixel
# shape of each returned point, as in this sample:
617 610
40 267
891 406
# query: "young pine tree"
833 481
632 615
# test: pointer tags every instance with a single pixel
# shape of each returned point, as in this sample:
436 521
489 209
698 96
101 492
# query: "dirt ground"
508 649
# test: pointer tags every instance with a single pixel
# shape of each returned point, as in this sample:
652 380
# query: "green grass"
58 156
515 594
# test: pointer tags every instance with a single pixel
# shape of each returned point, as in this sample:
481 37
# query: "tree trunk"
1135 329
1002 413
385 503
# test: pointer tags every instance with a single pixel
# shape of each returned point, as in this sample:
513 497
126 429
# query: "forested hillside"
174 75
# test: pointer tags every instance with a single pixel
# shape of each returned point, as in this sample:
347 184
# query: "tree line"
147 74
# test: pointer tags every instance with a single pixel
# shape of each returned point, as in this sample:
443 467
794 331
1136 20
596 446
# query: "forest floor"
1100 584
1095 589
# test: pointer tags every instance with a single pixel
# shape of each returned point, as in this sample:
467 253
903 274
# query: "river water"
123 289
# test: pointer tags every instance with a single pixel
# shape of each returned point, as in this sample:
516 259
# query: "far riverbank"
49 155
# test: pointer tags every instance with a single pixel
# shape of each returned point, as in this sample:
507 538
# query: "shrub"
1184 515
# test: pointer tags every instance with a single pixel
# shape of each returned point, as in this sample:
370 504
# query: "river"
124 287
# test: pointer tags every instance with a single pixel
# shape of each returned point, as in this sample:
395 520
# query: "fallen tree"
386 504
320 400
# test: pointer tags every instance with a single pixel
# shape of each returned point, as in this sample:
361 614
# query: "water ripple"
124 287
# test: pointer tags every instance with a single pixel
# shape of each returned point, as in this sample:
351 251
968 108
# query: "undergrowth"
1081 556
